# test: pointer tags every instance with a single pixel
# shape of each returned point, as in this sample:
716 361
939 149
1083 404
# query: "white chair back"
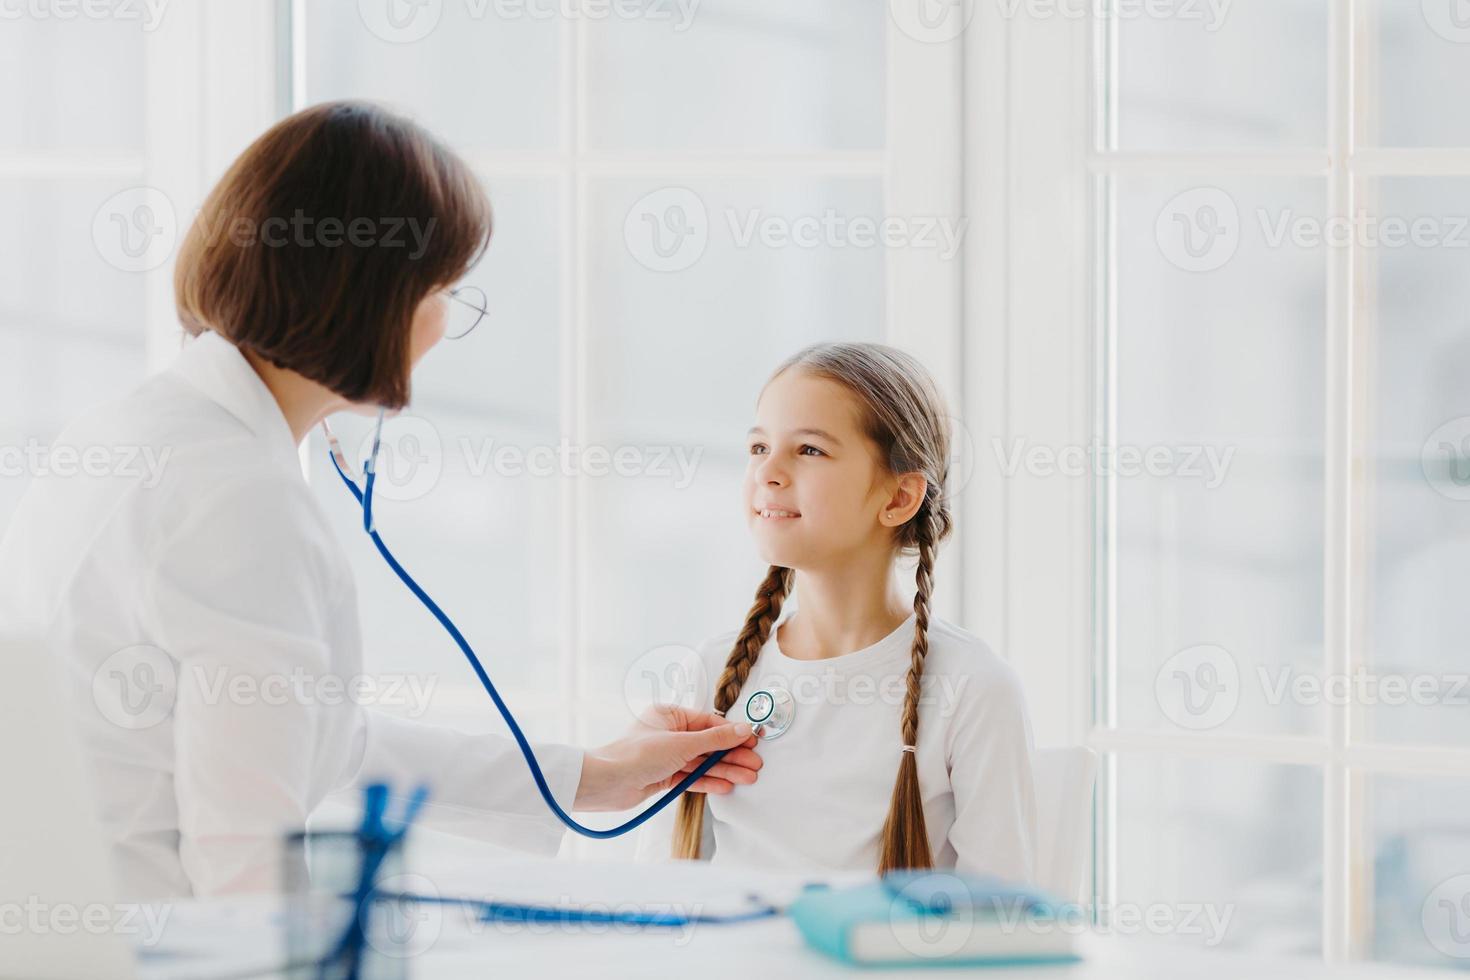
51 846
1063 778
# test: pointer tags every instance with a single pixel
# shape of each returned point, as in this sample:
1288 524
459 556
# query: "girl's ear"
904 501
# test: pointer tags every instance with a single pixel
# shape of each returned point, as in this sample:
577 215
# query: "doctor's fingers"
692 745
725 772
714 787
741 756
705 784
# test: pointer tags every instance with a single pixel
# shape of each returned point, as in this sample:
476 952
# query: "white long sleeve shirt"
825 784
207 622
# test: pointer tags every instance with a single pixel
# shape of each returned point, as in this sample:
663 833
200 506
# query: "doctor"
183 608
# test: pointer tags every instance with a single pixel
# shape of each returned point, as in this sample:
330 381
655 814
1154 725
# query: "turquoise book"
915 918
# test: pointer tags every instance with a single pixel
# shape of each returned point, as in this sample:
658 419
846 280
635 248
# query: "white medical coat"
190 594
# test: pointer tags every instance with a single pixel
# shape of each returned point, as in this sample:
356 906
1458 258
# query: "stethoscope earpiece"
770 713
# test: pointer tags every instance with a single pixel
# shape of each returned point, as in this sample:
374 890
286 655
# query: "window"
1280 200
1207 328
130 112
685 194
71 321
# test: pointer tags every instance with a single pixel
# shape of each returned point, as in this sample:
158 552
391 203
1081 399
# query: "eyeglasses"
465 312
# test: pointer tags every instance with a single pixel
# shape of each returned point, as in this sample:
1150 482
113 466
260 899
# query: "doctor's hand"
665 745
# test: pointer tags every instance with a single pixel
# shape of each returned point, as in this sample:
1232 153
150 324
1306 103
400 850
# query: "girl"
910 745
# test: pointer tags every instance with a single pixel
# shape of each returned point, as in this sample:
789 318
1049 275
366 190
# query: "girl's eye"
814 451
757 449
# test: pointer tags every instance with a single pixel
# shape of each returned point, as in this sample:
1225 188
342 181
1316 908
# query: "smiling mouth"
775 514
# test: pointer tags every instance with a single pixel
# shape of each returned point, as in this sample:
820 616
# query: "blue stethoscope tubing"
490 911
364 499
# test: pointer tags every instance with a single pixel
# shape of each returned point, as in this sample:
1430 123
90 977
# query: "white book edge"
954 938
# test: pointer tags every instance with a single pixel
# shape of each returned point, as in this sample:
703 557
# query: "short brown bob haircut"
317 246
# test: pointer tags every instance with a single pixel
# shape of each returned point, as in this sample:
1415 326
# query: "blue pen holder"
323 870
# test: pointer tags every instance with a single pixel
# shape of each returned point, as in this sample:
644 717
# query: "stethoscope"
769 712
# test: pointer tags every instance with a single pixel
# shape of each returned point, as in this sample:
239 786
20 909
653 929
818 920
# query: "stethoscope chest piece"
770 712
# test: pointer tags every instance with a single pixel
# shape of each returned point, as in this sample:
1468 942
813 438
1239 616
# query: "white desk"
774 951
245 934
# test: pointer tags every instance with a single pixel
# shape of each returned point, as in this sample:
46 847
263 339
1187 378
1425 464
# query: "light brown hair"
393 215
905 417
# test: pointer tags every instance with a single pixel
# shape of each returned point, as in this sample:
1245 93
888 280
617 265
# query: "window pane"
697 291
1418 313
509 366
676 361
1244 75
458 500
481 75
482 544
1419 53
55 276
1236 843
1219 507
48 376
74 84
1420 874
71 325
752 74
650 536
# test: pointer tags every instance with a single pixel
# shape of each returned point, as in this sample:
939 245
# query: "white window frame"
1027 358
207 100
1033 149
